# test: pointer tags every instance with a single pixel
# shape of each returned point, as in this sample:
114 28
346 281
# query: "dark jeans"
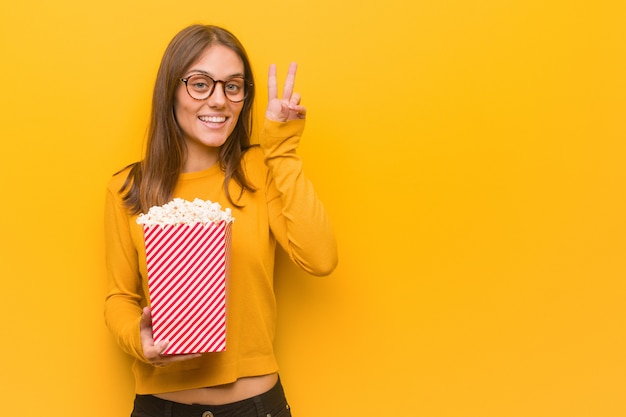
270 404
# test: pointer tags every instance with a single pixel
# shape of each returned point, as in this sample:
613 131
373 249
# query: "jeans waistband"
250 407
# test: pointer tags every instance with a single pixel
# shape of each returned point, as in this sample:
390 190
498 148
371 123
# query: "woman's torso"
224 394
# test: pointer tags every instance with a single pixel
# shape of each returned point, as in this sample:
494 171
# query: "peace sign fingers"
288 107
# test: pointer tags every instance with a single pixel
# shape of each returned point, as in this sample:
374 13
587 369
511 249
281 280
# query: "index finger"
290 81
272 89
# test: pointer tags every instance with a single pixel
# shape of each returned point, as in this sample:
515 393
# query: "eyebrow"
198 71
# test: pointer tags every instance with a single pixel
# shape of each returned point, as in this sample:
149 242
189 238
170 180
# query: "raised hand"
288 107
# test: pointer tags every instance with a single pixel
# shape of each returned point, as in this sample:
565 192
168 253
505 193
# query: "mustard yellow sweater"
284 209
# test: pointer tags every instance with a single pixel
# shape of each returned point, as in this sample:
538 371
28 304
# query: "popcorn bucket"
187 272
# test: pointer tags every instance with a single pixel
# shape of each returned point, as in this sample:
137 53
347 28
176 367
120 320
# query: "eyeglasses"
201 86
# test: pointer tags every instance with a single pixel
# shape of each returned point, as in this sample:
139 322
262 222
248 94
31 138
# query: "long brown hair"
151 182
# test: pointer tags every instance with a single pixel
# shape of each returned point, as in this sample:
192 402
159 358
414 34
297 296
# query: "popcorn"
187 259
179 211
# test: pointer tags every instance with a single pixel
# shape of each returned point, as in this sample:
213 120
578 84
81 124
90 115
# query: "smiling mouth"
213 119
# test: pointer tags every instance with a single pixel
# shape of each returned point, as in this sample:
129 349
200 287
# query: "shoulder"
119 179
254 162
254 152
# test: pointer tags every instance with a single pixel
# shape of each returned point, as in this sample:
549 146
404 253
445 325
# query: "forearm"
122 318
124 301
299 219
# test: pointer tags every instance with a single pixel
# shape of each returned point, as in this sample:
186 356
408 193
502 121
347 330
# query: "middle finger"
290 81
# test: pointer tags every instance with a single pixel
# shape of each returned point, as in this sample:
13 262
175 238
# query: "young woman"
199 147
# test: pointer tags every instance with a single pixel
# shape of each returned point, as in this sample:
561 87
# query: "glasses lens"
201 87
235 89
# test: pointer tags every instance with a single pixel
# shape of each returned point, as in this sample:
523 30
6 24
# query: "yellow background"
470 153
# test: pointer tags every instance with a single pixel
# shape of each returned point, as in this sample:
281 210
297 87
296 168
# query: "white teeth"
213 119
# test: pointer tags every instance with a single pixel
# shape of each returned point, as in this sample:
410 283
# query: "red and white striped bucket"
187 273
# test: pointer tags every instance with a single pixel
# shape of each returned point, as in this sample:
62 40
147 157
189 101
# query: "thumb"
161 346
146 319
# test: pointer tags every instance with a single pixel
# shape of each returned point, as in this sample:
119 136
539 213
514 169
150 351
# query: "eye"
234 86
200 83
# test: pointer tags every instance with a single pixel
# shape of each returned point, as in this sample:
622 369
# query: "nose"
217 97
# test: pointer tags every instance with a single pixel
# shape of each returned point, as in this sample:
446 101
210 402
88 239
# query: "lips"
212 119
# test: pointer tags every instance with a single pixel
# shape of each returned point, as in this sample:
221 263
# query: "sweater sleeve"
123 305
297 217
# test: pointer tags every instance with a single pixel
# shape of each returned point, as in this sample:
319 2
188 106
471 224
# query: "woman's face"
208 123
